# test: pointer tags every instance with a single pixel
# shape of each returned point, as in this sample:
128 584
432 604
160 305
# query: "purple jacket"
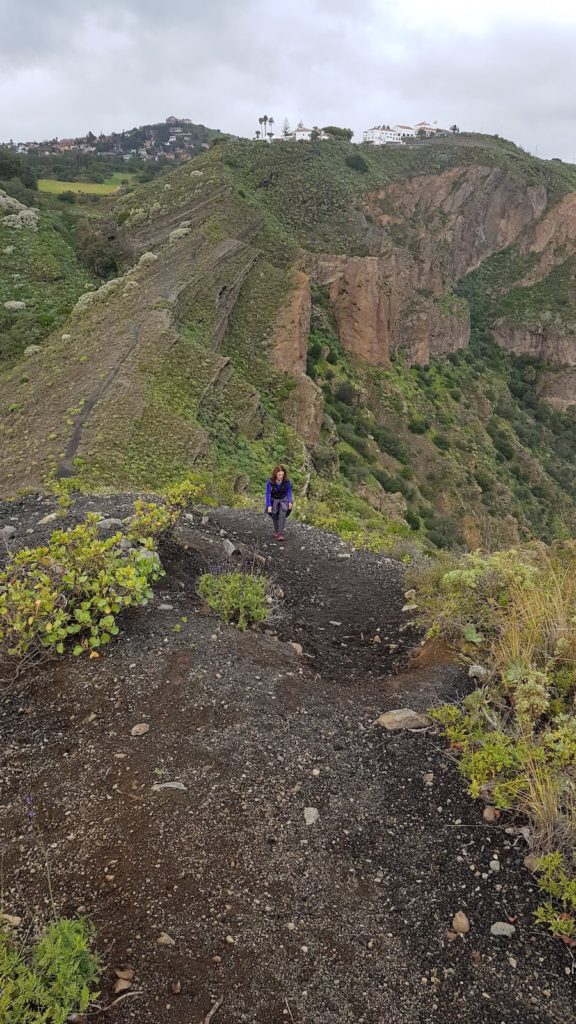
278 492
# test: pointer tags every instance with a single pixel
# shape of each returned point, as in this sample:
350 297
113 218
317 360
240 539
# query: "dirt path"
342 920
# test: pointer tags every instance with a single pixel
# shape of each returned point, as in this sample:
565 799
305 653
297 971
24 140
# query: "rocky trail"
308 864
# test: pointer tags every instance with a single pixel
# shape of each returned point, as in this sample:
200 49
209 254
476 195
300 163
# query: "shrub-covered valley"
207 777
397 326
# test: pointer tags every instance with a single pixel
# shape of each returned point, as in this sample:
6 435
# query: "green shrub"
418 424
150 520
236 597
357 163
558 881
346 393
53 979
442 442
390 443
71 590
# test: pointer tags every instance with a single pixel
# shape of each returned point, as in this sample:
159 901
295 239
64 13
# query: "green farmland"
111 184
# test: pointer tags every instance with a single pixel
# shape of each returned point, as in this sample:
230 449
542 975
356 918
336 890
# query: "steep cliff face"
380 306
431 230
552 239
456 219
292 327
558 389
547 344
304 407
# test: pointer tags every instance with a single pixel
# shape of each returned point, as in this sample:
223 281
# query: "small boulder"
478 672
8 532
490 813
139 730
48 519
403 718
460 923
165 940
311 815
296 647
503 929
229 547
531 861
31 350
109 525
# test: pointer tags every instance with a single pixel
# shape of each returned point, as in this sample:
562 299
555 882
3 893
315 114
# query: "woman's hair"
276 470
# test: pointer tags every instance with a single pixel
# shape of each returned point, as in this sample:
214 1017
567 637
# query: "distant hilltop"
174 139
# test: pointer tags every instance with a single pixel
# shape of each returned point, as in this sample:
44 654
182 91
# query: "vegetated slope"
326 304
40 276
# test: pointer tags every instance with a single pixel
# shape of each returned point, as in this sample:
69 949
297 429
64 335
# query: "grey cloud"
66 67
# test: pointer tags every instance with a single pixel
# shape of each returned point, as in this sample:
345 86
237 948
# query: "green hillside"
170 369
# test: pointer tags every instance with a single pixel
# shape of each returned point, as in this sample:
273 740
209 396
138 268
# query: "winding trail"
343 920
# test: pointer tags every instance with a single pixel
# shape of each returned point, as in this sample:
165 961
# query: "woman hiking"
278 500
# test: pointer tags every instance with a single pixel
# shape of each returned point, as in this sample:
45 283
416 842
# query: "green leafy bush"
150 520
54 978
236 597
357 163
71 590
557 881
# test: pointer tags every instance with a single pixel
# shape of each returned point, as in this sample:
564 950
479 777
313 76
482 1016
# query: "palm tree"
260 122
257 134
271 122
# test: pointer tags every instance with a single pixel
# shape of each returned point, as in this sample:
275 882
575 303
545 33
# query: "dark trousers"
279 513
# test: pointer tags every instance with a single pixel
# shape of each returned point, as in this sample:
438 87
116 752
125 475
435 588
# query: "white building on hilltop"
382 134
405 131
301 134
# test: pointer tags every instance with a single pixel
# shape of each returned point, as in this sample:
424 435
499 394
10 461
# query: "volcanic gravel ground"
344 919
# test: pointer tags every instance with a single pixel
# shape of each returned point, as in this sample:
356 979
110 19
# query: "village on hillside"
178 139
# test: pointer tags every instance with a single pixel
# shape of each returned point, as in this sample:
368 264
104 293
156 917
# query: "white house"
424 126
305 135
381 134
405 131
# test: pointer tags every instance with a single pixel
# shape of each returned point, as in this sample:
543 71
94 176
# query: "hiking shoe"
275 536
279 536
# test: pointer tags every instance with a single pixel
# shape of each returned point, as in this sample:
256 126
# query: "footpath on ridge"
309 864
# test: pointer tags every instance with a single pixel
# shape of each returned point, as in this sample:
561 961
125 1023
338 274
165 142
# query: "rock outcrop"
552 238
303 410
379 308
551 344
455 219
432 230
558 389
290 340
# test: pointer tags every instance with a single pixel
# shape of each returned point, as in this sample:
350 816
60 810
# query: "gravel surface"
309 865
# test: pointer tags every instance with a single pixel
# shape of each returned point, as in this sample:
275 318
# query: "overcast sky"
506 66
